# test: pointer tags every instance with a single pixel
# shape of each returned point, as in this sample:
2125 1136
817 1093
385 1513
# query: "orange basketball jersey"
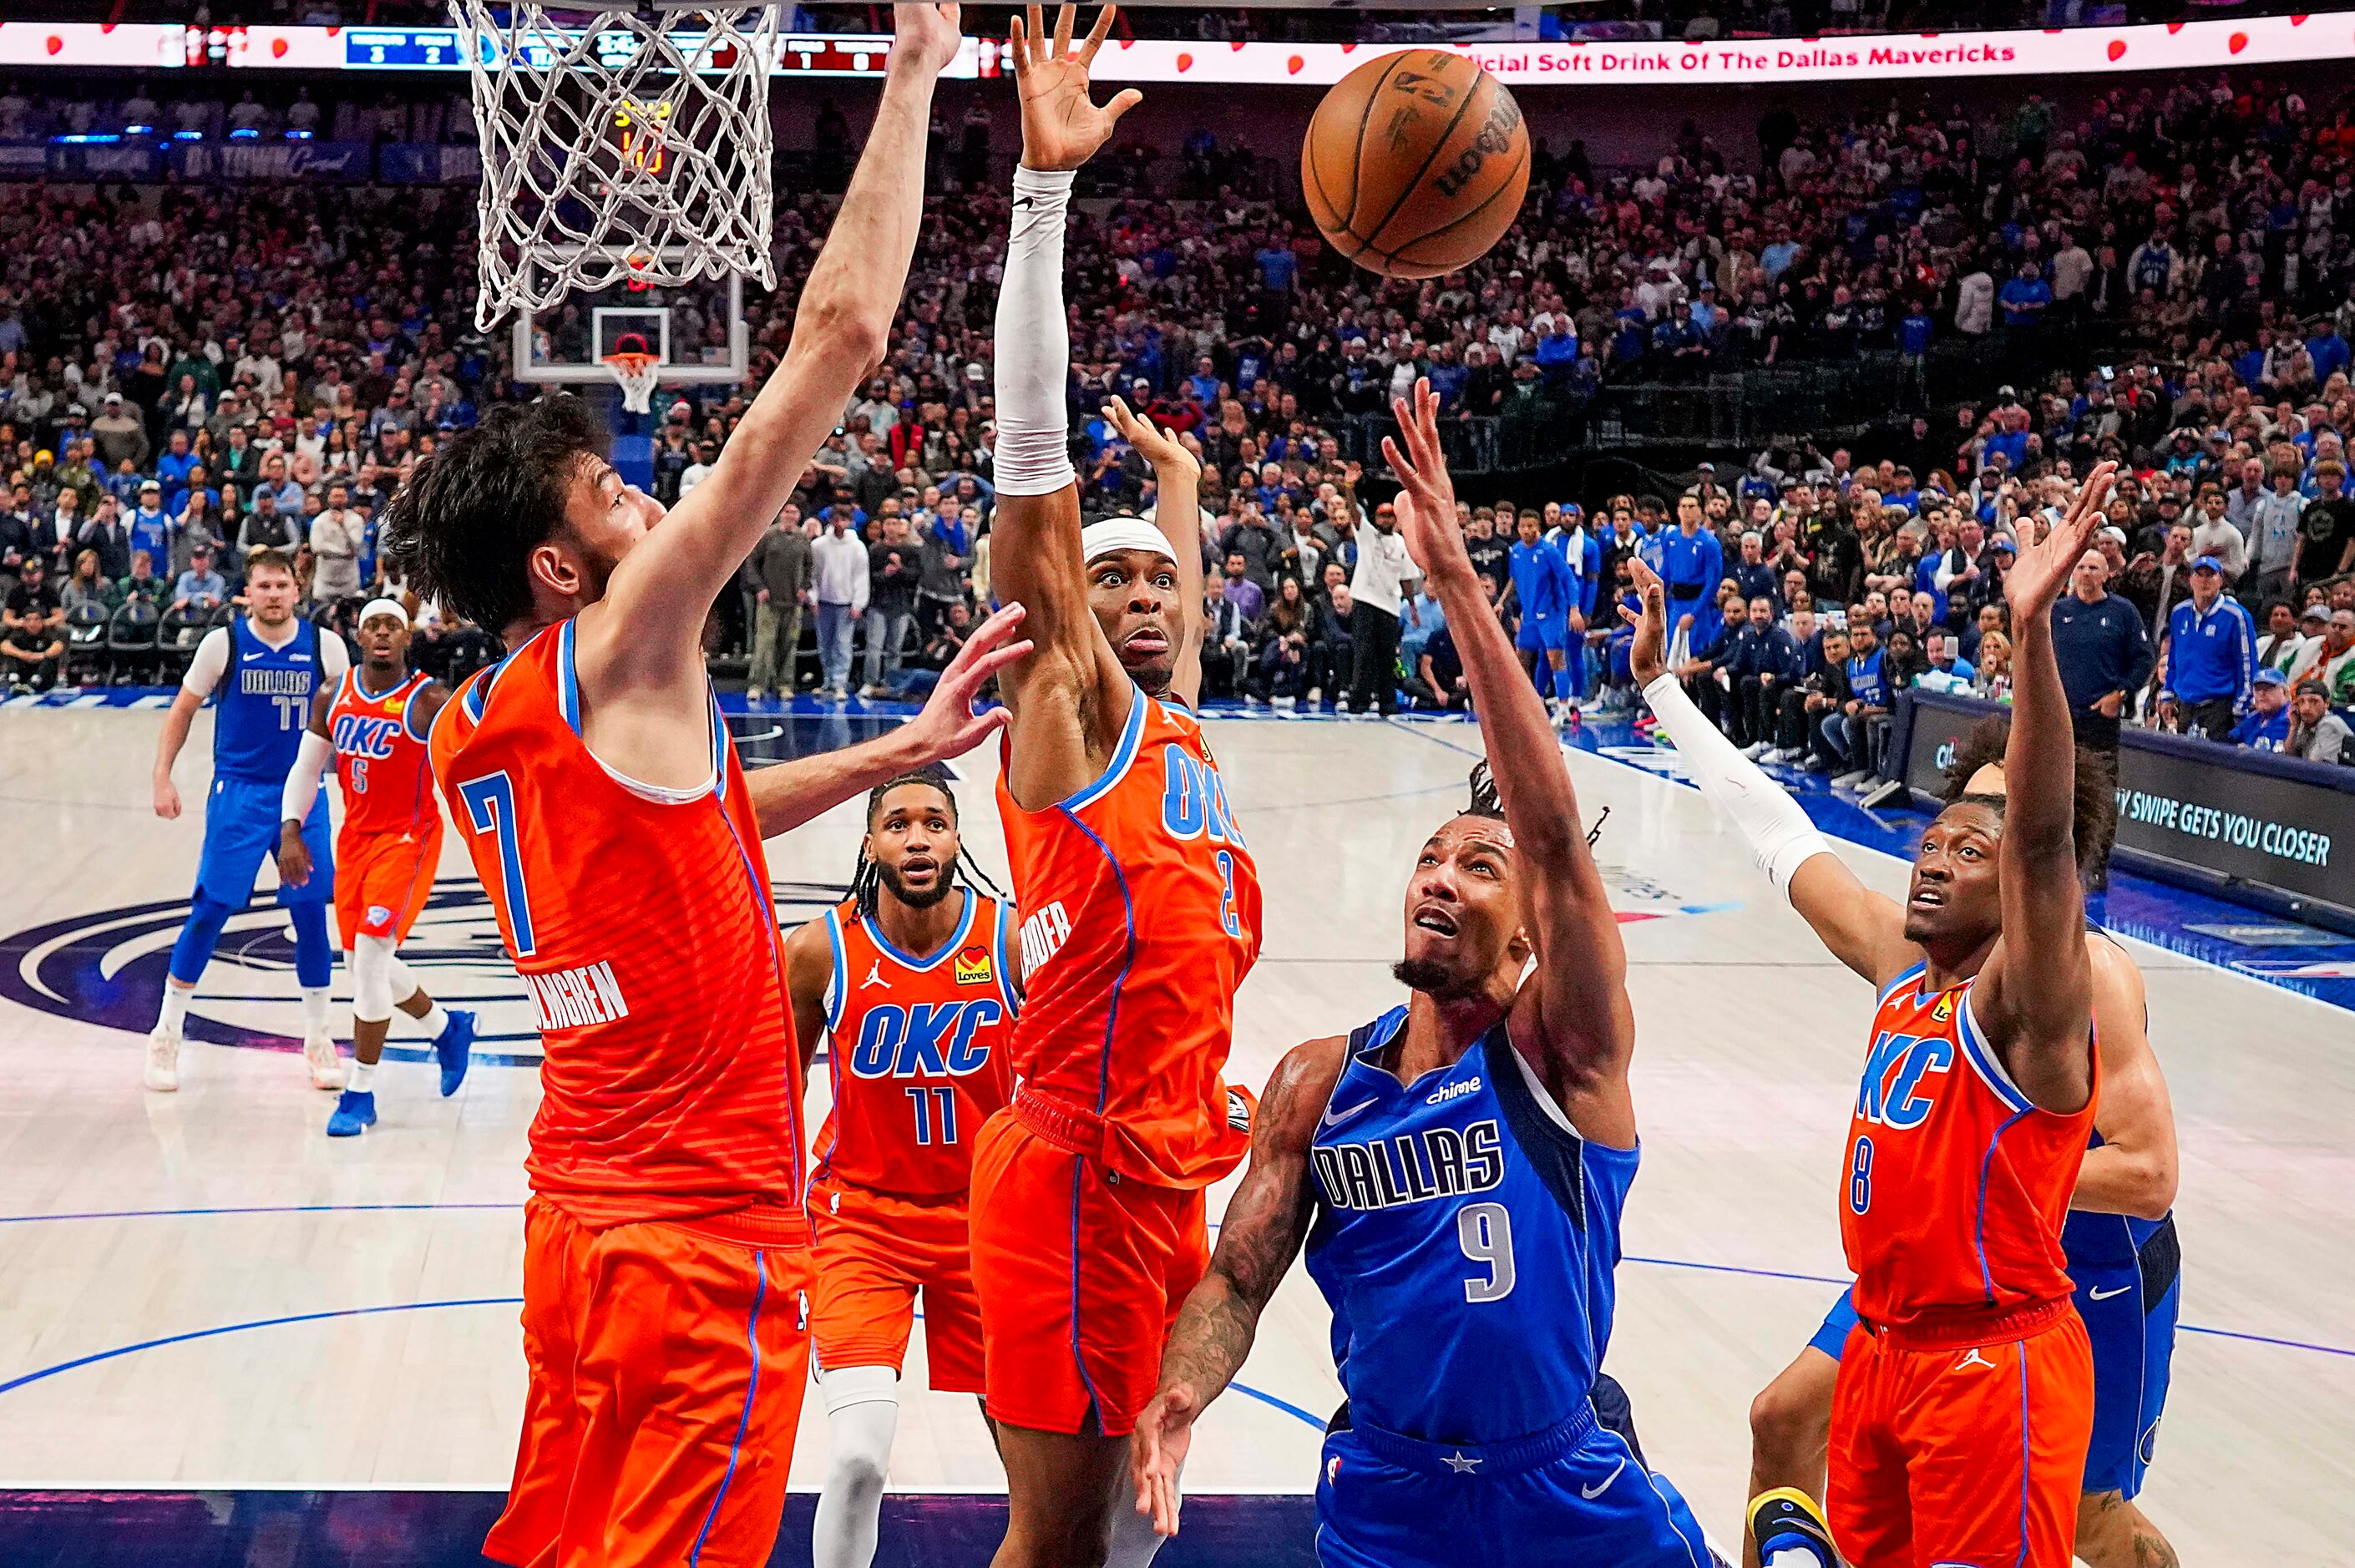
640 921
383 762
920 1050
1140 917
1956 1183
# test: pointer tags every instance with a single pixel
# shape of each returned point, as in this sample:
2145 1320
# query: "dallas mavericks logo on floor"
106 968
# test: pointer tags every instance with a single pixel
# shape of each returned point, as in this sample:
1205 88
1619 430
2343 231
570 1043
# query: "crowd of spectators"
190 373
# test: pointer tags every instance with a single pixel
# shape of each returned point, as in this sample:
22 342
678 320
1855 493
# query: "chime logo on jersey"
930 1040
1893 1072
973 966
1412 1167
356 735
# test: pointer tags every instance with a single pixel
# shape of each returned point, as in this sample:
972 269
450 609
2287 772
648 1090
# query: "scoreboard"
443 48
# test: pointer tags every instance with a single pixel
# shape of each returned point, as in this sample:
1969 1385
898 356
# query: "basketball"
1416 164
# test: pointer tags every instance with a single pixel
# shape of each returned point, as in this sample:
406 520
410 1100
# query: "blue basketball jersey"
2105 1239
1471 1232
265 703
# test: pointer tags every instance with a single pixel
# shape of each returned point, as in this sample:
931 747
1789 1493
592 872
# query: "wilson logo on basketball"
1496 135
973 967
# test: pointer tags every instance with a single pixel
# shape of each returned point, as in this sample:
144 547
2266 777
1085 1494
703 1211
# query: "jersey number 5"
491 809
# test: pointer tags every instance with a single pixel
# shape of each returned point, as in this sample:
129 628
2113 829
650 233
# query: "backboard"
695 330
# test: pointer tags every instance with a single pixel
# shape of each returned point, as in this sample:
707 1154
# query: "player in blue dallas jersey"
1456 1170
265 665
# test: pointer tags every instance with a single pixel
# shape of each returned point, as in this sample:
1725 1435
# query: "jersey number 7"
491 809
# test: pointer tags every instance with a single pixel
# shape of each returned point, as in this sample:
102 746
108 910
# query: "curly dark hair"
464 527
2095 810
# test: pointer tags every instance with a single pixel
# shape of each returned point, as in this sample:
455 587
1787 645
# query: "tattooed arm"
1265 1224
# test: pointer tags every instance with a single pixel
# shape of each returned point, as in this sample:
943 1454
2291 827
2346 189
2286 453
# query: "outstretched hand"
1649 658
2042 569
1426 497
1159 447
948 726
1164 1432
924 38
1061 128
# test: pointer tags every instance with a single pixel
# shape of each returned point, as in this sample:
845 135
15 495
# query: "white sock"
862 1411
175 1006
435 1020
314 1009
362 1075
1134 1543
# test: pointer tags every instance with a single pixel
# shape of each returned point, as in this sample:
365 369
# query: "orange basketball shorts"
1081 1272
1968 1452
667 1368
382 881
873 1251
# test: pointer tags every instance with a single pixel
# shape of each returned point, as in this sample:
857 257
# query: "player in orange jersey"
372 726
590 775
1140 901
1965 1401
911 981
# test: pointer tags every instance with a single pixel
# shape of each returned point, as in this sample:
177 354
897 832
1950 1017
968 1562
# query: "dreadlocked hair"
2093 809
1486 800
866 877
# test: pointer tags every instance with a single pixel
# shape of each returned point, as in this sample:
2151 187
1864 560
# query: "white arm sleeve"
302 779
1781 837
1033 341
210 664
334 657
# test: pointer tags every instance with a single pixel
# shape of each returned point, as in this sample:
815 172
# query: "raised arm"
2034 994
1177 512
1572 1021
1070 699
1865 930
1266 1222
646 632
790 793
2134 1170
809 976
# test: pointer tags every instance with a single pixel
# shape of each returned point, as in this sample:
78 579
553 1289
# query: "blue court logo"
106 968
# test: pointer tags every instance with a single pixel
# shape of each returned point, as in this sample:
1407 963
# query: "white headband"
377 606
1116 534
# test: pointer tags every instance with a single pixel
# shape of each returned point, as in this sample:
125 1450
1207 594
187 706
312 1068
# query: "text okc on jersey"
568 998
356 735
1042 935
1413 1167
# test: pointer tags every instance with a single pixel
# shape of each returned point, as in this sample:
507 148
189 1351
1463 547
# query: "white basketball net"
639 374
629 149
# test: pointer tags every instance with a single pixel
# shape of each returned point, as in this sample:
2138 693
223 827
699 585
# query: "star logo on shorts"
1459 1463
875 977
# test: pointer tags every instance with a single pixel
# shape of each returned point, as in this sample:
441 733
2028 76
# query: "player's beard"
1436 979
923 899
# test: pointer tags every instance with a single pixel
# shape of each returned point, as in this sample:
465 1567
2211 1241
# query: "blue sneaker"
453 1048
354 1111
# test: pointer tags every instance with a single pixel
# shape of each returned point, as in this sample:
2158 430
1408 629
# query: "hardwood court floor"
202 1290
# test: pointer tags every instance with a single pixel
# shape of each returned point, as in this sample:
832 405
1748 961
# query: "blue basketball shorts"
241 827
2134 1348
1543 634
1573 1494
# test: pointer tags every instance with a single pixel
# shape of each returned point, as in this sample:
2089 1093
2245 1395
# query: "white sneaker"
1754 751
163 1074
755 694
327 1069
1315 695
1288 704
1852 780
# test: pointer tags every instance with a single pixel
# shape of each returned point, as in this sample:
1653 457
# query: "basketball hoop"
633 147
637 373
